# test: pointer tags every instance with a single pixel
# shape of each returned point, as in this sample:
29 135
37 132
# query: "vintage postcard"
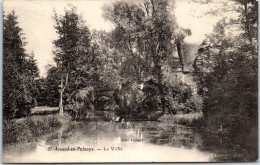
105 81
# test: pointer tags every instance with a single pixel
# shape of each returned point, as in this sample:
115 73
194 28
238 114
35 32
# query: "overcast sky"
35 18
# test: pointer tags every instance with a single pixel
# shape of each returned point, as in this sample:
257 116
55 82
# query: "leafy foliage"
227 77
19 71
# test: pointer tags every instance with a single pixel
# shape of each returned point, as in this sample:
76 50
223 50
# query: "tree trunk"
161 88
61 103
61 93
162 98
247 22
179 50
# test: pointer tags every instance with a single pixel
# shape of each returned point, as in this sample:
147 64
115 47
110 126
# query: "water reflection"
120 142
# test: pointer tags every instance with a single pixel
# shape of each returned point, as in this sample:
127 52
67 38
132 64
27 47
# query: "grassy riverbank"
191 119
29 128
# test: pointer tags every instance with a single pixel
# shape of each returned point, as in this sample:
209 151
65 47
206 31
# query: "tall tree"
19 70
227 78
248 10
146 31
71 47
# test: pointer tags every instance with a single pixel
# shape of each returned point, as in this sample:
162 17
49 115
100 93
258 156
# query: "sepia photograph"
130 81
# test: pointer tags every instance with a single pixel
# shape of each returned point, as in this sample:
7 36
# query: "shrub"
181 100
81 102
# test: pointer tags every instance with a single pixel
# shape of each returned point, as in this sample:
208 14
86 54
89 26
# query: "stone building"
180 67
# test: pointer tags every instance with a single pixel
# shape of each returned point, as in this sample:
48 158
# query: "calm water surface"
109 142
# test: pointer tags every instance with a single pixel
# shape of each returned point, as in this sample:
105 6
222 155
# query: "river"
147 141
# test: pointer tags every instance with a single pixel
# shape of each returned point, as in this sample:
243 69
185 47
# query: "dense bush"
135 100
182 100
81 102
